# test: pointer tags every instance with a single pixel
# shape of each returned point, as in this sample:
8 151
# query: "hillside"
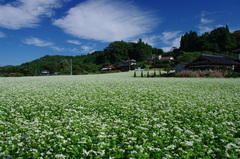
220 41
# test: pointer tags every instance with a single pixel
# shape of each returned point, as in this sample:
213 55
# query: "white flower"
49 153
170 147
189 143
167 156
60 156
20 144
60 137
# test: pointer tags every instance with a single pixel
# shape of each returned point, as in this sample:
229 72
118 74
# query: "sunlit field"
119 116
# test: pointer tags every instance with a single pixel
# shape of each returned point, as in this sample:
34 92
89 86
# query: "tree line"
219 40
114 54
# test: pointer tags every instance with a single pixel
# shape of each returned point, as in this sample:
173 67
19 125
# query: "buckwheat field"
119 116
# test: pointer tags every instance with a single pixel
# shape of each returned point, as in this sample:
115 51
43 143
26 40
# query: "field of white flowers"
118 116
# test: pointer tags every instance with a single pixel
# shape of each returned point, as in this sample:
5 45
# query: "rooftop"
216 59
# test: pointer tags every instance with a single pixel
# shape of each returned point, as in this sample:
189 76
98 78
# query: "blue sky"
30 29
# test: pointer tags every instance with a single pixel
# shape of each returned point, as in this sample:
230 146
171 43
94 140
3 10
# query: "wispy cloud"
86 49
2 35
204 19
169 37
204 29
56 48
106 21
207 21
43 43
76 42
37 42
151 40
26 13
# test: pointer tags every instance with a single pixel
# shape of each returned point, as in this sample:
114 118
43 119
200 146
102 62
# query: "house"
130 62
180 67
167 59
128 65
12 74
216 61
153 57
45 72
108 68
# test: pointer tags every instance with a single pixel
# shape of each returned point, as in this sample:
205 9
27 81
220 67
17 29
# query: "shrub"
233 75
202 73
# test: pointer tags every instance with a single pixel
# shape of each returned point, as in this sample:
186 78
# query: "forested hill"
114 54
219 40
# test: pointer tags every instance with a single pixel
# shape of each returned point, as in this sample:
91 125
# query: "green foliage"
135 74
188 57
203 73
116 53
188 41
218 40
233 75
168 68
141 50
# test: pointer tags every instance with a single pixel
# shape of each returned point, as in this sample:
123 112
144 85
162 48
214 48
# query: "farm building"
215 62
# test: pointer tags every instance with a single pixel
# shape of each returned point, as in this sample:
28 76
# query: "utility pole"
70 66
129 65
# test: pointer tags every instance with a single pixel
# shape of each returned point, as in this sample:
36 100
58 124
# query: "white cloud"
166 49
2 35
204 29
37 42
86 49
205 20
75 50
169 37
76 42
167 40
106 20
176 42
26 13
56 48
42 43
151 40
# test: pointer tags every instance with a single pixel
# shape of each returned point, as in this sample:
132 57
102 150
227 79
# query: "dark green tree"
142 50
236 39
117 51
220 39
189 41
